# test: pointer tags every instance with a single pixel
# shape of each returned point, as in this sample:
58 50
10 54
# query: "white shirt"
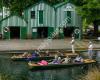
90 47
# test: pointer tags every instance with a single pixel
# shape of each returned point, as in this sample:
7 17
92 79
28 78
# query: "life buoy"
76 31
6 29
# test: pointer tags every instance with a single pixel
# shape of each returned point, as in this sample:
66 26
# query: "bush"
93 74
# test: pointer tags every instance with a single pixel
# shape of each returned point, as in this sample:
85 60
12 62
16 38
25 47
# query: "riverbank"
62 44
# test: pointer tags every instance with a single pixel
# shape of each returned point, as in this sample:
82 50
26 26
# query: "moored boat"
32 59
20 58
34 66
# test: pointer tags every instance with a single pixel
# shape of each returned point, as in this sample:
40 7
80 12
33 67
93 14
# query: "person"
72 45
47 53
90 50
24 55
78 59
43 62
66 60
60 53
35 54
57 60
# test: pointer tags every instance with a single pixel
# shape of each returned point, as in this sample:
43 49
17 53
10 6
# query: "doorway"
42 32
68 31
15 32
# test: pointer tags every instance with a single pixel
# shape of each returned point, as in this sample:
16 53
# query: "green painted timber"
50 31
7 35
40 17
23 32
34 32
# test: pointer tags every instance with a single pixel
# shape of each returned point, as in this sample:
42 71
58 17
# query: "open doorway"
14 32
68 31
42 32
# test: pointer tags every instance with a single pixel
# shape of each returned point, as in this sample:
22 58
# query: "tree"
90 11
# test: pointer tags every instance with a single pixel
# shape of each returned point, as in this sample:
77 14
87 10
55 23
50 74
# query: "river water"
17 70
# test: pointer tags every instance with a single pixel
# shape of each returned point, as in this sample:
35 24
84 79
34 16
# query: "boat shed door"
23 32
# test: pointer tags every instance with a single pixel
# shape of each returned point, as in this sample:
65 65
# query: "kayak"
34 66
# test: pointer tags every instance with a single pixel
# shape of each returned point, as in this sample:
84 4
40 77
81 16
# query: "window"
40 17
33 14
69 16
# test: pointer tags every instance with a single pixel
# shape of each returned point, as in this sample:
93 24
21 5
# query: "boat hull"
57 66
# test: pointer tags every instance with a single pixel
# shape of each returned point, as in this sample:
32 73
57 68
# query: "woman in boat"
66 60
78 59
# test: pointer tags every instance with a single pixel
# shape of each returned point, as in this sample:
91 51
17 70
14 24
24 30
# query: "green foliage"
89 9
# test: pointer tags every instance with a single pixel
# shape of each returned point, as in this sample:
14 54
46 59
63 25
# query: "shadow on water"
19 71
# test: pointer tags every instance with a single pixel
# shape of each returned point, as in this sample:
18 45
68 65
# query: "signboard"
34 30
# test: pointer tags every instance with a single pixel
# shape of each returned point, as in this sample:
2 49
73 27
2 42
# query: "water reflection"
20 71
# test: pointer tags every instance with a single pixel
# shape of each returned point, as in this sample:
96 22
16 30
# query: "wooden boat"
32 59
33 66
20 58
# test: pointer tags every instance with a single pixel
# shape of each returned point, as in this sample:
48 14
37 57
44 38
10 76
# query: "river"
17 70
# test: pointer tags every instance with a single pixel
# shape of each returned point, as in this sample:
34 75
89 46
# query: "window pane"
33 14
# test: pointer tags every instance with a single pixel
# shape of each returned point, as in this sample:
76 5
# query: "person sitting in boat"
66 60
78 59
35 54
24 55
57 60
43 62
60 53
47 53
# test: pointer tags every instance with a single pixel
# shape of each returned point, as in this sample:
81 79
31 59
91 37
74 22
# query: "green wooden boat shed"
67 20
41 20
14 27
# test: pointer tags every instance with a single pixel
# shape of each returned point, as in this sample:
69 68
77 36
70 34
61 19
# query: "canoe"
34 66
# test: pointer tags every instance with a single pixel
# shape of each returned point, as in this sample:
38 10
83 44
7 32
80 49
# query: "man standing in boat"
72 45
90 50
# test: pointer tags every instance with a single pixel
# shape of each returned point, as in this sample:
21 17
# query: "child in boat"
66 60
78 59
